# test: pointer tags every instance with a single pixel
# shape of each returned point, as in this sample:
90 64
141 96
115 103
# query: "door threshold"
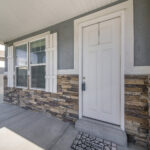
102 130
101 122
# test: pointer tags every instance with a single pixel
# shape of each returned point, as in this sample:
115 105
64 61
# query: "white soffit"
20 17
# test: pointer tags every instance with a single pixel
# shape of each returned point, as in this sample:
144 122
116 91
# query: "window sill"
21 87
37 89
25 88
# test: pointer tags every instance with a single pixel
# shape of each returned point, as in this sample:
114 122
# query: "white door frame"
115 11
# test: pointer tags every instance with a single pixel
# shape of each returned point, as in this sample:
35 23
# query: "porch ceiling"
20 17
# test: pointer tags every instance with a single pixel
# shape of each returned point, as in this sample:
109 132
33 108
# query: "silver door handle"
83 86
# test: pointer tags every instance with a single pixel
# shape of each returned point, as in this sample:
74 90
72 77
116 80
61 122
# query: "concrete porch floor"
42 129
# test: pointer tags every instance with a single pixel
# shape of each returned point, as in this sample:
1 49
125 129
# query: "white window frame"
28 41
41 64
15 66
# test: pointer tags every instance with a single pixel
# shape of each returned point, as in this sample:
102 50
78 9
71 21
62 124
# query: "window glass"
38 76
21 55
21 76
37 52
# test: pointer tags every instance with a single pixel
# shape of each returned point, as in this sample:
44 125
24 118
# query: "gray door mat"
84 141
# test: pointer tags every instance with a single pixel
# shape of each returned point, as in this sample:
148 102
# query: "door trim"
78 43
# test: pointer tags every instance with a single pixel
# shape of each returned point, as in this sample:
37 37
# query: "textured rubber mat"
84 141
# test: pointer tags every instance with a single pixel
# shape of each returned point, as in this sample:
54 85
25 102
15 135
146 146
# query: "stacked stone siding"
63 104
136 108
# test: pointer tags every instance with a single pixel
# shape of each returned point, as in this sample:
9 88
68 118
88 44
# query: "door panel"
101 70
91 64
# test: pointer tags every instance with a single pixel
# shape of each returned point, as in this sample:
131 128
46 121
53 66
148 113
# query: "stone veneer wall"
137 108
63 104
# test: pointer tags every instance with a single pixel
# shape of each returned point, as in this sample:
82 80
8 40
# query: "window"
37 52
38 76
21 65
32 59
21 73
37 64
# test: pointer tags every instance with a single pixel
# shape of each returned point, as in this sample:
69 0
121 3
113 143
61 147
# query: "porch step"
102 130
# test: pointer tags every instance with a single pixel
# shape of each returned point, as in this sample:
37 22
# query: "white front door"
102 71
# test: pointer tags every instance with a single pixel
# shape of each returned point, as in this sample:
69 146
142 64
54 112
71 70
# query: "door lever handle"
83 86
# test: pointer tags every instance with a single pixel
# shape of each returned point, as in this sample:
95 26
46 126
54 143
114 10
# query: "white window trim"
122 10
37 89
30 80
33 38
30 65
68 72
21 87
10 67
15 73
28 41
41 64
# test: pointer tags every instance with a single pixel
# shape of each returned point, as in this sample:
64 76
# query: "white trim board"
31 39
119 10
67 72
27 42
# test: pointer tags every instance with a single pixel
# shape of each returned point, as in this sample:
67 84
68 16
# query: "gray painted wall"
142 32
65 32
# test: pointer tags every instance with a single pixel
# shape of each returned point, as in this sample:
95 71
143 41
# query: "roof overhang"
18 18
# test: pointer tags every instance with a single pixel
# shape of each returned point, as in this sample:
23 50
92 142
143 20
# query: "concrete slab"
65 142
136 147
102 130
20 121
6 107
9 114
8 138
132 147
40 129
44 131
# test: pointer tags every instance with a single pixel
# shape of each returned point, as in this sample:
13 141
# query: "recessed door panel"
101 71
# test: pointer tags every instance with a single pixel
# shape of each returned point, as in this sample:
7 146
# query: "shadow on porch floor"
36 129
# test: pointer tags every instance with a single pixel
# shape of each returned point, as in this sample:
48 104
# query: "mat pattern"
84 141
